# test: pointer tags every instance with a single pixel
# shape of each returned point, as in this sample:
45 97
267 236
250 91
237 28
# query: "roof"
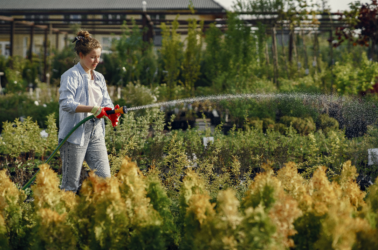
41 5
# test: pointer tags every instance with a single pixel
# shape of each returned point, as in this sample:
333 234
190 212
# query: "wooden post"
13 27
284 54
57 40
144 25
45 56
291 44
295 49
330 48
275 55
266 54
65 40
50 38
305 54
31 43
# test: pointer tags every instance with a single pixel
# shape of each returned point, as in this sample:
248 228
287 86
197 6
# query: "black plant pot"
215 121
192 123
226 128
176 124
184 124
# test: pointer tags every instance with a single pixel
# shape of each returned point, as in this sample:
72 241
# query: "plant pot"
176 124
192 123
215 121
226 128
184 124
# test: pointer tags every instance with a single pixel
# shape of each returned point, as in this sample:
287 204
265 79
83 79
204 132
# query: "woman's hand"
99 112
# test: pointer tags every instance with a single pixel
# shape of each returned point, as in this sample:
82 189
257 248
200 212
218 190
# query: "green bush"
327 123
268 124
279 127
14 106
255 123
303 126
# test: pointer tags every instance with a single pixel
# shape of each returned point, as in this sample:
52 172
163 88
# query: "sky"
336 5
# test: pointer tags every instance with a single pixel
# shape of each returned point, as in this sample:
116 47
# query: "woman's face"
90 61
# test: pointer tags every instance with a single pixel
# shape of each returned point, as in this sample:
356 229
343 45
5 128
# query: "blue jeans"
93 152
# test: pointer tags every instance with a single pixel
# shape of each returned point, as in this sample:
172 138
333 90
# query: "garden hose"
121 110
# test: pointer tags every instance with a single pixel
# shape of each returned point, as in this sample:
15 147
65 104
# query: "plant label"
372 156
215 113
206 140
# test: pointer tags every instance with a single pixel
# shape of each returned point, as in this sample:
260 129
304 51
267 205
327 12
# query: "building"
38 25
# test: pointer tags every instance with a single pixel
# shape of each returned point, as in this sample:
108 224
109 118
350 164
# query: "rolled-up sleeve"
67 91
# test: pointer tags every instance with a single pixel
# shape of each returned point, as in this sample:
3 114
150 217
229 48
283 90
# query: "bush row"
133 210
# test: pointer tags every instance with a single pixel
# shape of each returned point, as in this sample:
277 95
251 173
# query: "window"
5 48
36 18
106 43
157 17
117 17
75 17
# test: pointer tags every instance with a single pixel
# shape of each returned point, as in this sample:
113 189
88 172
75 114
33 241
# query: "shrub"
268 124
327 123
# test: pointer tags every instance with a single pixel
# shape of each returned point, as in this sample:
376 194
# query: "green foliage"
20 137
136 59
172 54
192 56
62 61
308 227
352 80
327 123
14 106
135 95
13 75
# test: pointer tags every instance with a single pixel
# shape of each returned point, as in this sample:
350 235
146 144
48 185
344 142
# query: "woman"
83 92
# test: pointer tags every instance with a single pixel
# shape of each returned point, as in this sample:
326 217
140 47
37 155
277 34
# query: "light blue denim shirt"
74 91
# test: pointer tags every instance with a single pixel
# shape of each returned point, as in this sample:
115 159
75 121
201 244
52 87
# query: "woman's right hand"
99 112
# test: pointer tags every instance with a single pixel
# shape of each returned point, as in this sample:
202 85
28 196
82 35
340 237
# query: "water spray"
123 110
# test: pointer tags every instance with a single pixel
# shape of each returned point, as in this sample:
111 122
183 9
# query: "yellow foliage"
283 214
53 231
133 190
323 193
228 208
200 208
294 184
9 193
192 184
264 188
339 228
349 187
47 193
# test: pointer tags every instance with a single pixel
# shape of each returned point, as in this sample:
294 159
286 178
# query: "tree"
360 25
191 64
172 53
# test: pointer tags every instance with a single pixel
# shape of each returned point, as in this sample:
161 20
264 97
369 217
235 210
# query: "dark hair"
84 43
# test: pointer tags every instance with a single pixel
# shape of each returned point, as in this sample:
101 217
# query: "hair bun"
84 34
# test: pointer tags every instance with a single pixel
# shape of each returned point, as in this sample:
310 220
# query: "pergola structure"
19 17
